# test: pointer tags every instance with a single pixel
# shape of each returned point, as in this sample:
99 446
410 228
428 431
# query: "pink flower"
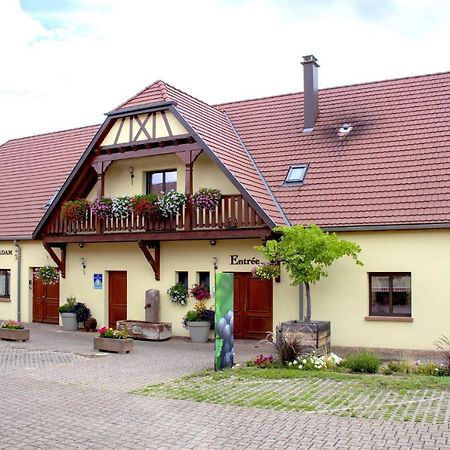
102 330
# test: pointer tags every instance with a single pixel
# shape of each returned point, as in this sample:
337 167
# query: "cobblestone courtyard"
58 393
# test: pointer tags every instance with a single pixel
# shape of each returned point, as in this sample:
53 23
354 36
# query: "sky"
64 63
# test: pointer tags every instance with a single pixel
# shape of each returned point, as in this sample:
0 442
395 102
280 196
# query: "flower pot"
113 345
199 331
69 321
14 334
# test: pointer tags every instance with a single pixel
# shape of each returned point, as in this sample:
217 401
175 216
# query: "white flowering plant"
315 361
171 203
47 274
121 207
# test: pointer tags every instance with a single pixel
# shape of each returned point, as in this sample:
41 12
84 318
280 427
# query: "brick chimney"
310 92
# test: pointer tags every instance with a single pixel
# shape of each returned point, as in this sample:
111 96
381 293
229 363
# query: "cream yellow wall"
343 297
118 181
8 262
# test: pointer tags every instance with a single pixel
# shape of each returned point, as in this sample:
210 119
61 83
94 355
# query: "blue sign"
98 281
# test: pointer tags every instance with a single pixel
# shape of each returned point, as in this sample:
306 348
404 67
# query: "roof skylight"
296 174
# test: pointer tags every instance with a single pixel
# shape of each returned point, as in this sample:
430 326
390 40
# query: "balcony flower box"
14 331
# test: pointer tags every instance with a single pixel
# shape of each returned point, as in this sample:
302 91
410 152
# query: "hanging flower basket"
206 198
121 207
47 274
178 293
171 203
146 205
267 270
200 291
75 210
102 207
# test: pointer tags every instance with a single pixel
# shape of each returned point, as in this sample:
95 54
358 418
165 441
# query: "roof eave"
141 109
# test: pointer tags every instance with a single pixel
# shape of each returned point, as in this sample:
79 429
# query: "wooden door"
45 302
252 306
117 297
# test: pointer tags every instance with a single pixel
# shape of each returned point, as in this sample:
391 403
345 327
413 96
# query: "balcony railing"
233 212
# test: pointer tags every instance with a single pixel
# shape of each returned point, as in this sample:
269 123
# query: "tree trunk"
308 303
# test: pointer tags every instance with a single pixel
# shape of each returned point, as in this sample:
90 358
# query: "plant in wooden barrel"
75 210
306 253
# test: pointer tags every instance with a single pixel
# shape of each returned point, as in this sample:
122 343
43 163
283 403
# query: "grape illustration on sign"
224 349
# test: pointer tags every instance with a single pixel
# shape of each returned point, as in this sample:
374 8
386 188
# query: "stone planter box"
199 331
146 331
315 335
11 334
113 345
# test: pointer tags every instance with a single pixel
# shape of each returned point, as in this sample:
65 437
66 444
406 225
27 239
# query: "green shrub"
363 362
431 368
404 366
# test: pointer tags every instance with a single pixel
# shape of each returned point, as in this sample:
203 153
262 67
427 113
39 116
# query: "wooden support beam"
61 263
153 261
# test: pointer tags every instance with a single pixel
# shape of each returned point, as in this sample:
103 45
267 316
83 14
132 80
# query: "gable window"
296 174
5 275
390 294
158 182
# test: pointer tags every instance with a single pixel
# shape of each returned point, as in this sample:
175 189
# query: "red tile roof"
393 168
32 169
214 129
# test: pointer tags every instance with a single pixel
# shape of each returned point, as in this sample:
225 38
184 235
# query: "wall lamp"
212 242
83 265
214 260
131 169
81 245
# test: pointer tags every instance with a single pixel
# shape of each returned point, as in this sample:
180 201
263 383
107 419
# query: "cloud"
64 67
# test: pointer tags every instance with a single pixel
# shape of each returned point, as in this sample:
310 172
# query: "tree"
306 253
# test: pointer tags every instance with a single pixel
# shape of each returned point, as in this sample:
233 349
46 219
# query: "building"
370 162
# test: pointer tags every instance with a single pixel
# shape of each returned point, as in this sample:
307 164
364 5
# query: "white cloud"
104 51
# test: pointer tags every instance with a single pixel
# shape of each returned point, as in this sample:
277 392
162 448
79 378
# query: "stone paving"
76 399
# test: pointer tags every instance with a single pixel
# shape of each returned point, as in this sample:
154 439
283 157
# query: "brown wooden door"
117 297
45 302
252 306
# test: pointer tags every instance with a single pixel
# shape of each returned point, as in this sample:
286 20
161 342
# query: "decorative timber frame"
154 261
60 262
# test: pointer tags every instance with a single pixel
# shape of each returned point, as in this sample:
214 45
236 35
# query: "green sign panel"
224 349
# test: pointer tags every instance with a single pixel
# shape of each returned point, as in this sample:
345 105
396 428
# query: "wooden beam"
153 151
61 263
247 233
153 261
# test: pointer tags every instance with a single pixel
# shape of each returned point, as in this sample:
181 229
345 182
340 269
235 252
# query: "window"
182 277
390 294
204 277
296 174
5 275
158 182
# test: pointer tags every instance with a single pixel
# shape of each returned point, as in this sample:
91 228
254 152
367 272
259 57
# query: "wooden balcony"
232 213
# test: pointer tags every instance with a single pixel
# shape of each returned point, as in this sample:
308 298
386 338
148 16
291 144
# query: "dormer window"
296 174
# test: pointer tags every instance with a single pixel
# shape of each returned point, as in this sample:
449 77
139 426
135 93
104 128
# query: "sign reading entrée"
98 281
235 260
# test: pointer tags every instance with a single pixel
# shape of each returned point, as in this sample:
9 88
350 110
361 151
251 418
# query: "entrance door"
45 302
117 297
252 306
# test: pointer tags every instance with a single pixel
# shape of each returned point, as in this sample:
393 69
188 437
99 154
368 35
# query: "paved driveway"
56 393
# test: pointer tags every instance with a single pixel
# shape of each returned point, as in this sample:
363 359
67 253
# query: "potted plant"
178 293
102 207
75 210
68 315
14 331
200 291
306 253
199 321
110 340
171 203
83 315
206 198
146 205
47 274
121 207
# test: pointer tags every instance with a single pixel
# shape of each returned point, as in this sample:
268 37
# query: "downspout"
301 313
18 257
